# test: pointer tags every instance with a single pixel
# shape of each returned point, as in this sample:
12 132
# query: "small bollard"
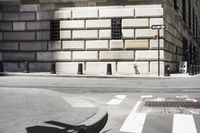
109 69
167 70
1 67
26 65
53 68
80 68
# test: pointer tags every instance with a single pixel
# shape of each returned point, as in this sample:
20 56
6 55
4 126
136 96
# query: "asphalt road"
119 96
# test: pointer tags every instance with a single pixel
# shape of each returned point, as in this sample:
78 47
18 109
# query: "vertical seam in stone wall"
149 47
98 34
149 66
72 56
116 66
84 45
61 43
108 45
98 55
85 65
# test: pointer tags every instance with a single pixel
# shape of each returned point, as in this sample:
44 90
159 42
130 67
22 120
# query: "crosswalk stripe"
117 100
134 122
197 122
183 124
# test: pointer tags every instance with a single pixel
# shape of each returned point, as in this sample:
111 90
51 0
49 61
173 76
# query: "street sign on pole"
158 27
161 26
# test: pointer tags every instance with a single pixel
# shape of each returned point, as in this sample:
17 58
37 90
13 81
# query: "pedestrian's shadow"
62 128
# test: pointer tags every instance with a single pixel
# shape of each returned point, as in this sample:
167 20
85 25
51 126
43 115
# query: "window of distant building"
189 14
175 5
193 22
184 10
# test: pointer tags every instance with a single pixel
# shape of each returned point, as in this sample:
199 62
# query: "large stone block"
43 35
127 68
67 67
39 25
134 23
73 45
147 33
1 56
11 67
104 23
97 45
9 46
1 36
54 15
65 34
105 34
28 7
148 55
117 12
19 56
137 44
27 16
85 34
19 36
40 67
99 68
85 55
19 26
54 45
148 12
84 13
154 68
116 55
5 26
1 16
54 56
116 44
72 24
128 33
154 44
11 16
33 46
156 21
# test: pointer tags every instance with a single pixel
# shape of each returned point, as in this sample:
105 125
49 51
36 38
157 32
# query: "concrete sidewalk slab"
95 76
42 111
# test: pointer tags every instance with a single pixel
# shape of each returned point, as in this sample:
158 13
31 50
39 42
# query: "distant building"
98 32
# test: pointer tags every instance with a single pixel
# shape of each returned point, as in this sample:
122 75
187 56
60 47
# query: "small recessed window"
55 30
116 28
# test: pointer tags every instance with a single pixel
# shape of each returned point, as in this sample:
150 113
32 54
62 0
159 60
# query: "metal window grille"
55 30
116 28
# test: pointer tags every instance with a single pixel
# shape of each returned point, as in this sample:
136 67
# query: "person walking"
136 69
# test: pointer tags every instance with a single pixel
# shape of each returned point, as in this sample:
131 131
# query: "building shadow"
58 128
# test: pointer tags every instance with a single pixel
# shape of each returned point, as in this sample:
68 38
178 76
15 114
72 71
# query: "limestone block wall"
177 30
85 37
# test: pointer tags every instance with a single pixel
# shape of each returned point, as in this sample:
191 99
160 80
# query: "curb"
78 76
94 124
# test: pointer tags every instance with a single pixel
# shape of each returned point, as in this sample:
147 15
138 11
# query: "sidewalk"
42 111
47 74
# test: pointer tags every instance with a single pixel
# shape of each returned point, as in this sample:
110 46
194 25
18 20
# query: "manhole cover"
172 104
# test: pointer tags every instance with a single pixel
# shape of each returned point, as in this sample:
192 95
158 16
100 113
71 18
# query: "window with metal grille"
55 30
116 28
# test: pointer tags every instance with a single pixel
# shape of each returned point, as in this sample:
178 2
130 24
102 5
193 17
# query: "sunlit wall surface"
85 35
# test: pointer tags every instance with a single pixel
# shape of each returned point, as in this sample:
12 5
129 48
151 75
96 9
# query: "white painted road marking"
184 124
134 122
117 100
78 102
146 96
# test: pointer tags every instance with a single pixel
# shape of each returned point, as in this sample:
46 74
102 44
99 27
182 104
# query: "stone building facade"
27 34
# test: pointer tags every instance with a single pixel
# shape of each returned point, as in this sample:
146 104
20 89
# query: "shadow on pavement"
65 128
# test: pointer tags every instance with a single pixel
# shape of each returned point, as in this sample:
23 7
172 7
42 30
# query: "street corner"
40 111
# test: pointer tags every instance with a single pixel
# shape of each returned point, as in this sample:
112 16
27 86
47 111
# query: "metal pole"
158 52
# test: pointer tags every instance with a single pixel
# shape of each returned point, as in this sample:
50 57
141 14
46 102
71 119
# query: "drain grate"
172 104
